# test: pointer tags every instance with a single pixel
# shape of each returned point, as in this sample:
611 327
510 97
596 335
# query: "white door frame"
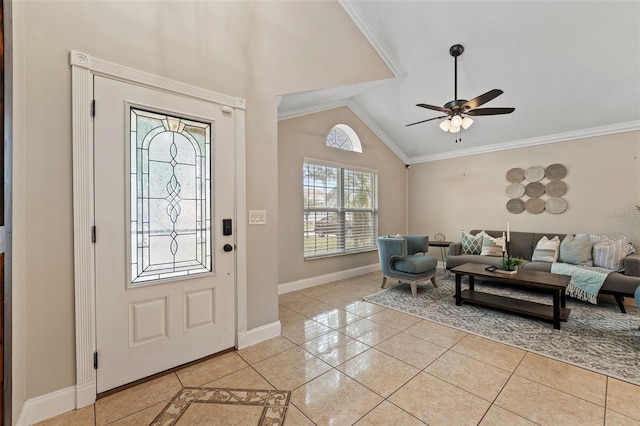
84 67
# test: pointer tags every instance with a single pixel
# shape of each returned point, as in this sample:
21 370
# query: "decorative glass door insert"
170 171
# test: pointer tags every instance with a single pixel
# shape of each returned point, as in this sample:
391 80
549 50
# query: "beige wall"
603 183
306 137
253 50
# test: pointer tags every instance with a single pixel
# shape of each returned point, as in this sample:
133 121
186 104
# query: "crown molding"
373 39
311 109
628 126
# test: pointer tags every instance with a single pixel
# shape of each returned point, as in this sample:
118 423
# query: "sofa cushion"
609 252
415 264
492 246
547 250
472 244
576 251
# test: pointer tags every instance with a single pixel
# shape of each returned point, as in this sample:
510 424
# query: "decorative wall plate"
534 173
515 190
534 205
555 172
515 175
534 189
555 205
515 206
556 188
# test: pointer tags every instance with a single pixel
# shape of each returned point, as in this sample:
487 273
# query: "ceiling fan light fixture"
445 125
454 129
466 123
456 121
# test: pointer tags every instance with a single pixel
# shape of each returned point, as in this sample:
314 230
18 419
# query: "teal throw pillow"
576 251
472 244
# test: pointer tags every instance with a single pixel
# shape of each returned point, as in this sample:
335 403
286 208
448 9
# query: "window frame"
341 211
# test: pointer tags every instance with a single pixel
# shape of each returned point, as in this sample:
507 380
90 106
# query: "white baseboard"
323 279
47 406
85 394
258 334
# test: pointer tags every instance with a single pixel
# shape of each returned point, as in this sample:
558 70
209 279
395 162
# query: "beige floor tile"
286 315
291 369
142 418
437 402
544 405
211 369
368 332
247 378
623 397
316 292
266 349
81 417
378 371
567 378
340 299
295 418
394 319
480 379
416 352
334 348
334 399
616 419
364 309
220 414
303 331
336 318
132 400
388 414
309 307
292 298
489 351
497 416
436 333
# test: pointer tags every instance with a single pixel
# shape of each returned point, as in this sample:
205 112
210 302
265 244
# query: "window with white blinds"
340 209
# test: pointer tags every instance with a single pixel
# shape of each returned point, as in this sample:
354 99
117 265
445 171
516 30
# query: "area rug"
225 406
597 337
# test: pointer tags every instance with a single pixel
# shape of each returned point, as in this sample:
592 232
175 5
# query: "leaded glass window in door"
170 181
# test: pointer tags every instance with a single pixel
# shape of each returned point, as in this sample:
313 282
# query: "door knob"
227 247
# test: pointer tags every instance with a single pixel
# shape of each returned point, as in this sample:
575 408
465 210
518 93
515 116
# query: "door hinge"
93 108
95 360
93 234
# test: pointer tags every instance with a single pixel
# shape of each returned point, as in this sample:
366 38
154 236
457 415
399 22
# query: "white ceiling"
570 68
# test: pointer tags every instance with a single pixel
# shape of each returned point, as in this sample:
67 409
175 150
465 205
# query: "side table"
442 245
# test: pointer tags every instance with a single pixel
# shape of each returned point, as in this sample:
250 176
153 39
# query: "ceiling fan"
458 110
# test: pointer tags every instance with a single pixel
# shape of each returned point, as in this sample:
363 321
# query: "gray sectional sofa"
618 284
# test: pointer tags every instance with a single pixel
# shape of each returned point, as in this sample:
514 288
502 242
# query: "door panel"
165 288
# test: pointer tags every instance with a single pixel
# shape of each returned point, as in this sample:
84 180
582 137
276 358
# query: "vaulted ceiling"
570 68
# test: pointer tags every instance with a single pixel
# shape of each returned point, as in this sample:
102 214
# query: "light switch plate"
257 217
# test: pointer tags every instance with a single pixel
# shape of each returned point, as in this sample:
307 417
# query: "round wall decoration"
534 173
534 205
439 237
555 205
556 188
515 190
534 189
515 206
556 172
515 175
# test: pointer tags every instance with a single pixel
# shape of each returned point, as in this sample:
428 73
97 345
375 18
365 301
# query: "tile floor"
351 362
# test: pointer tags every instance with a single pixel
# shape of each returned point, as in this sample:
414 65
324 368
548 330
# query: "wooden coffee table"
537 281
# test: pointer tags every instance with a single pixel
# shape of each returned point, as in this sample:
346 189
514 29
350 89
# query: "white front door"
164 186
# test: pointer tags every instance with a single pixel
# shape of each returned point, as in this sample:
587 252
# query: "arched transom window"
343 137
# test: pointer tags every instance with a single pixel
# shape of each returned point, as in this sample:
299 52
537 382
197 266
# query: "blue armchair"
398 260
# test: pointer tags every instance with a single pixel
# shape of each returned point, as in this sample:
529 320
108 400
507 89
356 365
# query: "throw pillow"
472 244
609 252
492 246
547 250
576 251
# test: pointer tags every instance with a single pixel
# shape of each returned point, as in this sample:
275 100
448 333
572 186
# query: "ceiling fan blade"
482 99
435 108
490 111
428 119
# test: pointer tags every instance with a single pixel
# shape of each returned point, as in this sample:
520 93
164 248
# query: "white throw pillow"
492 246
547 250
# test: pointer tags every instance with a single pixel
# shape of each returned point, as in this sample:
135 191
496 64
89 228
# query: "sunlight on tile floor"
347 362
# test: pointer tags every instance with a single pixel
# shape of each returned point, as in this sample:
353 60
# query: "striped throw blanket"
585 280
